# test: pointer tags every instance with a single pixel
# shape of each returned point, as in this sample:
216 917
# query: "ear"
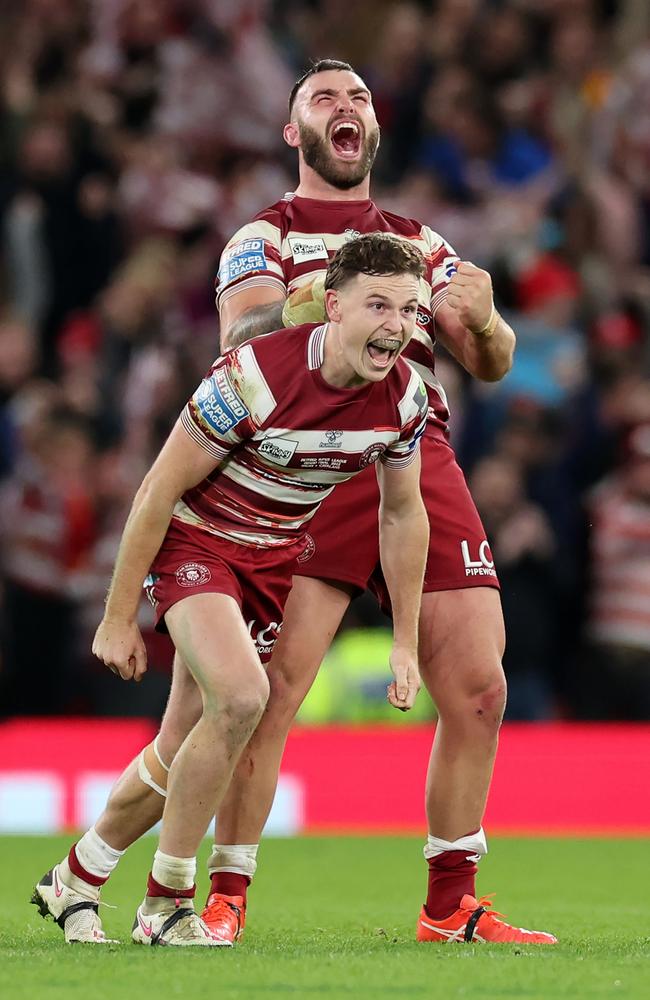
333 305
291 135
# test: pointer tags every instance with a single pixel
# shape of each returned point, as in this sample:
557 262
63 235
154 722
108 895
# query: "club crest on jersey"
309 550
218 404
371 454
307 249
279 450
192 574
333 439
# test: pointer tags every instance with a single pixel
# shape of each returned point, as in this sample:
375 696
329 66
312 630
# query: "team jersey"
284 437
288 244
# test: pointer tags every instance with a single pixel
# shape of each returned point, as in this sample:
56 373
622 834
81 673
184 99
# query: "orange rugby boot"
225 916
473 921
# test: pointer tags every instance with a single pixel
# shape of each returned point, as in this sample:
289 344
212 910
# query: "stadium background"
135 137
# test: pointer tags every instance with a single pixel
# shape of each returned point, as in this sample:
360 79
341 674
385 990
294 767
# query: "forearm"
403 546
252 323
489 358
142 537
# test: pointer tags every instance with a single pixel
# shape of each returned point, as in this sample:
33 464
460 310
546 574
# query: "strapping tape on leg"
239 858
146 777
475 843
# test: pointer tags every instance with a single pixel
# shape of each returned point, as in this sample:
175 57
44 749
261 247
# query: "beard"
317 155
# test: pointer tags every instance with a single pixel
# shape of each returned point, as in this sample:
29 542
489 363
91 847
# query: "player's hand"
402 691
306 304
119 645
470 296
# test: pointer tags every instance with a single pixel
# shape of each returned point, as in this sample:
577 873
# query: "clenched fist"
470 296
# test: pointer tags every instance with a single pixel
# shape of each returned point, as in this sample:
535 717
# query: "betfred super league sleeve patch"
245 258
217 404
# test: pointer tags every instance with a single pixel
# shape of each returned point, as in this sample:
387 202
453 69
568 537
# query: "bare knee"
473 698
240 707
287 693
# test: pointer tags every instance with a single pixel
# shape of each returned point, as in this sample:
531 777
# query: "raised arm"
403 544
468 325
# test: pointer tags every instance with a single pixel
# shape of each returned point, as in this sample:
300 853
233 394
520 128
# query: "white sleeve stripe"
216 451
258 279
438 299
264 401
402 462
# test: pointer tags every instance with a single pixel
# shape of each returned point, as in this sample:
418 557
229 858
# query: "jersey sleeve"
413 409
252 257
216 416
444 261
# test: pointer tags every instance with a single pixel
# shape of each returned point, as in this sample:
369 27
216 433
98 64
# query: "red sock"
451 876
230 884
77 869
156 889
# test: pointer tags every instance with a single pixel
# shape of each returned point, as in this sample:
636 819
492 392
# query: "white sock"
95 855
173 873
239 858
476 844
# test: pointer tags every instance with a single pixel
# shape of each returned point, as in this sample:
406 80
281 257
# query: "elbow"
498 369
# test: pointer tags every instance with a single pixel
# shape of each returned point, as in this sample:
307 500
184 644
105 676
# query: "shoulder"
264 228
412 229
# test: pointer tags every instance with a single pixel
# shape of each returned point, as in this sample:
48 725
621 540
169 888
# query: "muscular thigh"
462 639
312 615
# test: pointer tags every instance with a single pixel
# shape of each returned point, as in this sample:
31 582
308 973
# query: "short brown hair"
320 66
374 253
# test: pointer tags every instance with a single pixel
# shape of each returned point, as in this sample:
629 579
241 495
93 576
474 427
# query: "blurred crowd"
137 135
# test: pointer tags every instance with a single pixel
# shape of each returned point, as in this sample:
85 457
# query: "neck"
335 370
312 185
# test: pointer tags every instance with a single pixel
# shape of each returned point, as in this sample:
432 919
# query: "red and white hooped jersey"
284 437
288 244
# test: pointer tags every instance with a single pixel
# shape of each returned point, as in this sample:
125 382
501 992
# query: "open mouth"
383 350
346 139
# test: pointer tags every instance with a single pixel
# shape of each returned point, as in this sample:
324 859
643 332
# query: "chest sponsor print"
279 450
305 249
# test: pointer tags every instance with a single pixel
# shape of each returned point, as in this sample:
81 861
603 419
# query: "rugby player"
218 523
271 274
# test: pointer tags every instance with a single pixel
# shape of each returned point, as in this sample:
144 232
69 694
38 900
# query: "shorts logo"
192 574
149 588
371 454
264 638
218 404
309 550
333 439
307 249
280 451
244 258
484 565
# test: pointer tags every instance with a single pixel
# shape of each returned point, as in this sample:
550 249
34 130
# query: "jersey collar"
316 347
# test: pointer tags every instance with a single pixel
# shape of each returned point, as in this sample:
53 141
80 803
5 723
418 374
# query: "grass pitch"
335 917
